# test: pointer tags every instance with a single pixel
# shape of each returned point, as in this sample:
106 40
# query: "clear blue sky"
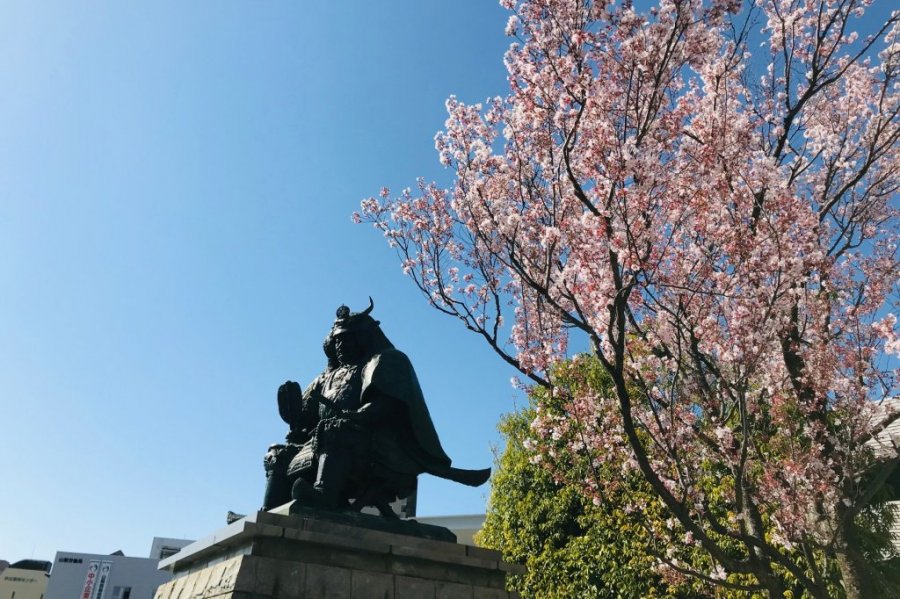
176 184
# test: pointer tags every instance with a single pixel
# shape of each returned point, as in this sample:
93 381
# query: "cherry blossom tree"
705 194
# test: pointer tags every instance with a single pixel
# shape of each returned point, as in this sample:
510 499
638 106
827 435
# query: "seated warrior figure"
361 431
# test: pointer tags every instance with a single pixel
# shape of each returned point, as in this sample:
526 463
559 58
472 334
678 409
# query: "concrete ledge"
276 556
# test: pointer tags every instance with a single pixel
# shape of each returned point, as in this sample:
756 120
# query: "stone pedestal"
275 556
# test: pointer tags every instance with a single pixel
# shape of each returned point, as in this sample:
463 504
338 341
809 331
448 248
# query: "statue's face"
347 348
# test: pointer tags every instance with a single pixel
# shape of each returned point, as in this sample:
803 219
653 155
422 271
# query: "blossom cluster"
726 243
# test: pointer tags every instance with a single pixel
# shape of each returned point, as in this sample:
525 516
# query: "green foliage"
570 547
540 515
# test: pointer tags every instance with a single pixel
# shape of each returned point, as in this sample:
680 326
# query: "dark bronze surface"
360 433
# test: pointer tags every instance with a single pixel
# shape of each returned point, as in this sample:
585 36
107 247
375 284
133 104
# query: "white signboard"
97 579
102 579
90 581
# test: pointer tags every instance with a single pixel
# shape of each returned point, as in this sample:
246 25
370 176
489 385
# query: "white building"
92 576
163 547
464 527
886 446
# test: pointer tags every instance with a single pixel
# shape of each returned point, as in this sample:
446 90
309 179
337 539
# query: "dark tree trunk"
853 567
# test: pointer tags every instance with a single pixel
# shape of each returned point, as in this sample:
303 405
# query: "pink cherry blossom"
718 220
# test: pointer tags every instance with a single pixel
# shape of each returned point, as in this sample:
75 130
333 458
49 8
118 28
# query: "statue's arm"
300 410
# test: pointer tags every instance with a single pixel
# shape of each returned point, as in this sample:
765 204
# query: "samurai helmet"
362 326
346 321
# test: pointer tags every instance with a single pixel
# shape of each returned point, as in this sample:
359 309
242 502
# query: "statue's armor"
340 388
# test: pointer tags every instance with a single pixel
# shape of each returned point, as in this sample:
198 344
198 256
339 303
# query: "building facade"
464 527
164 547
92 576
26 579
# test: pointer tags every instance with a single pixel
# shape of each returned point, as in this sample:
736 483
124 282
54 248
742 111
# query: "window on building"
121 592
165 552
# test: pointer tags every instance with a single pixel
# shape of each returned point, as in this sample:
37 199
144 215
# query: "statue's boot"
331 480
309 495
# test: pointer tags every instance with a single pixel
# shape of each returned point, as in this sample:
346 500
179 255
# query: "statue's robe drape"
389 373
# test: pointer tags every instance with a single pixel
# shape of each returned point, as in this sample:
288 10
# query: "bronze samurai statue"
361 433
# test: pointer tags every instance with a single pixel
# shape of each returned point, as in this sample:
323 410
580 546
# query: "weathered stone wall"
268 556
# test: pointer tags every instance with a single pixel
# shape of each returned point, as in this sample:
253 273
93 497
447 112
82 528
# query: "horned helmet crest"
362 326
345 320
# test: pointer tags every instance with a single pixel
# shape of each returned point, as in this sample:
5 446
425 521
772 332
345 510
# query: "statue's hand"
271 456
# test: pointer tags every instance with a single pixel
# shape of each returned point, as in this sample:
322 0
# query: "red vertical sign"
90 579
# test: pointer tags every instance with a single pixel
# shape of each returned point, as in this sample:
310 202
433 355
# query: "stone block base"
273 556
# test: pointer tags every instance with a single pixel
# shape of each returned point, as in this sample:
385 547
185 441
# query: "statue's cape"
391 373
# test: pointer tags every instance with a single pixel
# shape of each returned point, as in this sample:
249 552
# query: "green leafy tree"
570 547
539 515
